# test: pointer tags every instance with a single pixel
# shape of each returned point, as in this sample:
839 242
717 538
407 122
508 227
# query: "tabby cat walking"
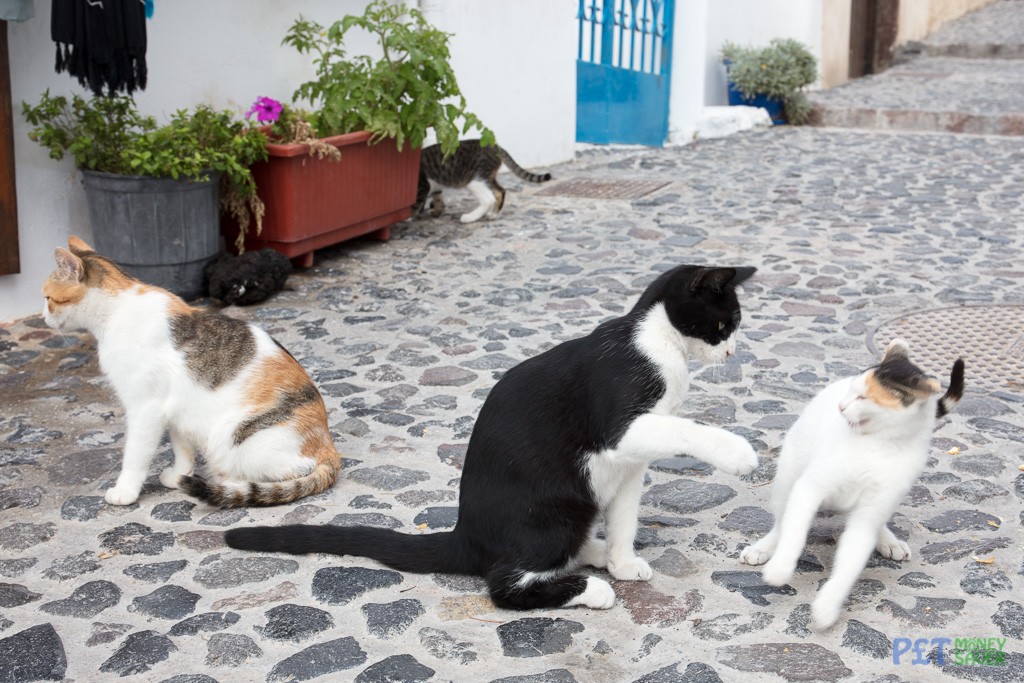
472 166
858 447
218 385
562 439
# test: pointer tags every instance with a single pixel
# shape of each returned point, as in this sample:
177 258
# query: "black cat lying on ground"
248 278
562 439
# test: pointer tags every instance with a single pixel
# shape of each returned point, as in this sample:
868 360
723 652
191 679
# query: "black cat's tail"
955 391
507 159
419 554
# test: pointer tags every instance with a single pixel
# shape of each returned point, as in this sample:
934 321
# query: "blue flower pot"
772 104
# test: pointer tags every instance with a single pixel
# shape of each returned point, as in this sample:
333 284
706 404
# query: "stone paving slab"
996 30
848 229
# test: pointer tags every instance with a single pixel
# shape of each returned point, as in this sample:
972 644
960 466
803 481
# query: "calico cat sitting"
563 439
858 447
218 385
473 166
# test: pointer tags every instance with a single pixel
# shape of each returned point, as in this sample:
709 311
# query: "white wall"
755 22
689 69
515 63
703 26
835 39
919 18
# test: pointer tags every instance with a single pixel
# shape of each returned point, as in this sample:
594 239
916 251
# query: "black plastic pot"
160 230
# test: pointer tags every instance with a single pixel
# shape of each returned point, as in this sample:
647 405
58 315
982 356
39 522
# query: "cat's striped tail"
232 494
955 391
507 159
417 553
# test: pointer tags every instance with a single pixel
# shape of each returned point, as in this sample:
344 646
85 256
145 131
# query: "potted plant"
153 192
772 77
374 112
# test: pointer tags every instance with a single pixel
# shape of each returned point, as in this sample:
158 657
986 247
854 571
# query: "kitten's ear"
925 387
897 348
78 246
717 279
742 275
69 267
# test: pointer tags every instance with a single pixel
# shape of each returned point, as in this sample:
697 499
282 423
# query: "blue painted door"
623 67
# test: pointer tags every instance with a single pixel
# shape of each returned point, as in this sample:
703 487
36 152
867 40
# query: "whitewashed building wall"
703 26
515 62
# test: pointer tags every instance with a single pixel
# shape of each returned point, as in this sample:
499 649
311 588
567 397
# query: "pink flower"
266 109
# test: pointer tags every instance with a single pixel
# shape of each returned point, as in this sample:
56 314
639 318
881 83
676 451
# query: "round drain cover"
990 339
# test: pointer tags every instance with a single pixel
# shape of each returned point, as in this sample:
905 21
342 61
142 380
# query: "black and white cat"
858 447
473 166
562 439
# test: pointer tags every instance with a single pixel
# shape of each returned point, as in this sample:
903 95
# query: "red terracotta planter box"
314 203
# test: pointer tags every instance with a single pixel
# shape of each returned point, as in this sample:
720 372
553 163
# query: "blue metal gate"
623 67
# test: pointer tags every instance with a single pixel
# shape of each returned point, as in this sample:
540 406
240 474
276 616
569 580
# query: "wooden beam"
9 260
887 23
862 37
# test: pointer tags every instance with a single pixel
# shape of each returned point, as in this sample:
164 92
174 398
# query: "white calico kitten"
858 447
219 385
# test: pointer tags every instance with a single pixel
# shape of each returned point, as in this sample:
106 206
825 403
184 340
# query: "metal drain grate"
990 339
603 189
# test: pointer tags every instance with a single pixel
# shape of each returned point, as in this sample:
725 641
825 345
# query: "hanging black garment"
102 43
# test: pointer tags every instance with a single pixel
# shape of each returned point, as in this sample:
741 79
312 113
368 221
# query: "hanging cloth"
102 43
17 10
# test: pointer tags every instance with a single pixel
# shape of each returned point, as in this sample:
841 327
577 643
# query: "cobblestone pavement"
849 230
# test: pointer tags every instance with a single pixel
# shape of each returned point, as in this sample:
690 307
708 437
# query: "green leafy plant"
108 134
96 133
285 124
778 71
409 90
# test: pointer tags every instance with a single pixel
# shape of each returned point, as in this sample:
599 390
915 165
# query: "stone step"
994 31
975 50
949 94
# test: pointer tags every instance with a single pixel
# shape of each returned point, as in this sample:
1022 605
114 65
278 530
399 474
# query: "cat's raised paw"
754 556
776 574
742 461
824 614
597 595
120 496
633 569
895 549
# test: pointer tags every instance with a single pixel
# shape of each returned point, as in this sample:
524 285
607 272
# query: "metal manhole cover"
603 189
990 339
